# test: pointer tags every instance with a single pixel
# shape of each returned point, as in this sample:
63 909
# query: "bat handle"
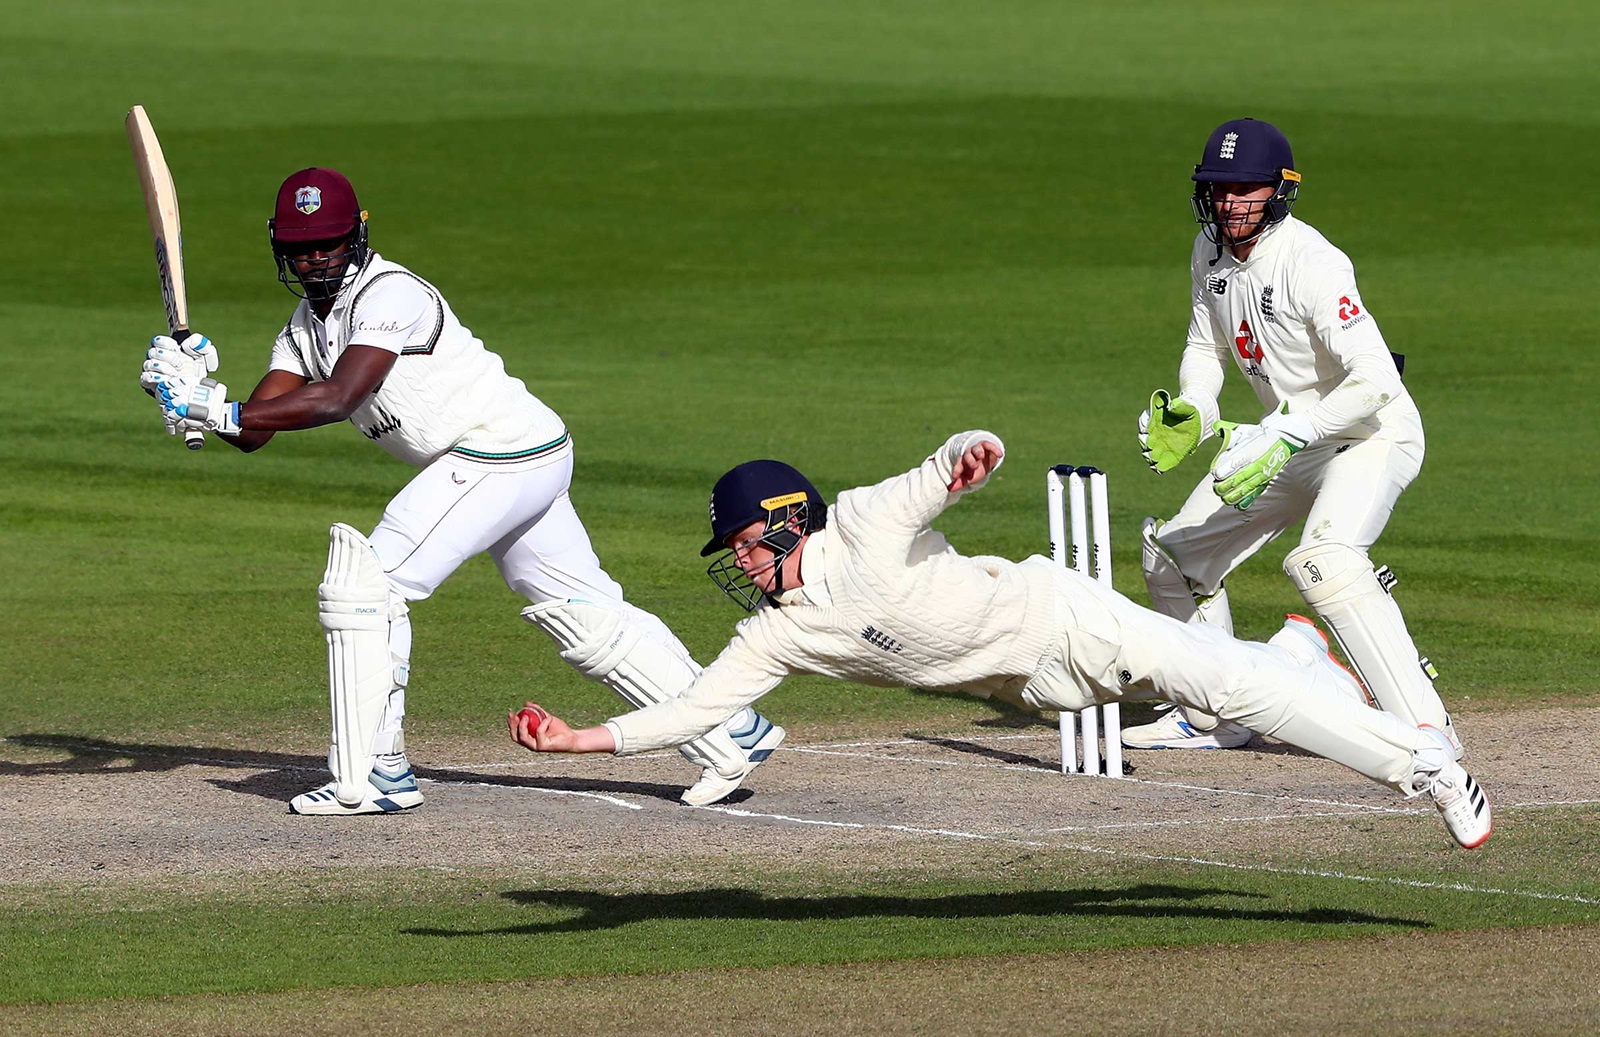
194 439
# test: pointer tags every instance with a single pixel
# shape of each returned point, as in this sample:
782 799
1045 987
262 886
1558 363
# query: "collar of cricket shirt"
813 589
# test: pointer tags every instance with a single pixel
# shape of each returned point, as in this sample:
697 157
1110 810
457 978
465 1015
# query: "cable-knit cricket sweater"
898 607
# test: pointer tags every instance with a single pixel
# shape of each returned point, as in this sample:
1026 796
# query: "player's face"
1240 208
754 557
322 261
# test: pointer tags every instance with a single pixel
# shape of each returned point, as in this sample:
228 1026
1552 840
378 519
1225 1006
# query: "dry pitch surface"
872 802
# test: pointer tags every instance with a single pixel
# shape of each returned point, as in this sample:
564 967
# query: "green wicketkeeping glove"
1169 431
1253 455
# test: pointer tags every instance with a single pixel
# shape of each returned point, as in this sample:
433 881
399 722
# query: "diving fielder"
867 592
1339 440
373 343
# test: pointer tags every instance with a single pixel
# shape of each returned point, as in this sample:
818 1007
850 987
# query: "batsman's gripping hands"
203 404
1253 455
1170 429
169 360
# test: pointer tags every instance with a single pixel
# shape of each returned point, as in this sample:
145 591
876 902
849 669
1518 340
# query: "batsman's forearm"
312 405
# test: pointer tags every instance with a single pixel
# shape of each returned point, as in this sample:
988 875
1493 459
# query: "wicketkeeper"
374 343
866 591
1338 441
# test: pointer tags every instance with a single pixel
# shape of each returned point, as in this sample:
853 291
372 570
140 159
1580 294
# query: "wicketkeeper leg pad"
354 609
604 643
1339 583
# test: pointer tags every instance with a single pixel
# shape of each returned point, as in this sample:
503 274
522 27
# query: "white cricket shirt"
446 394
1291 319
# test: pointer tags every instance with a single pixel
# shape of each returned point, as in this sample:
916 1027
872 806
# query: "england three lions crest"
308 199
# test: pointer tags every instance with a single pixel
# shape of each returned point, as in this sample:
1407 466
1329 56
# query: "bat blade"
166 230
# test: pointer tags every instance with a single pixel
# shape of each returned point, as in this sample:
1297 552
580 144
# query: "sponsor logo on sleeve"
1350 312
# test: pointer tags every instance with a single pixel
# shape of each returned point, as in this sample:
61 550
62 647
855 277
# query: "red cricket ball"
535 716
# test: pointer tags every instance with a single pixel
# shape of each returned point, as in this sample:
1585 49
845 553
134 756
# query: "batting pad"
1338 582
602 643
353 608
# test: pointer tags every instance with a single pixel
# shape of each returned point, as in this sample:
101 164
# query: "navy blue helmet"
1245 151
769 492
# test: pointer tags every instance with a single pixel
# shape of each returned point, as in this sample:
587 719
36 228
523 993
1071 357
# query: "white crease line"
1457 887
121 753
1030 769
613 800
1199 821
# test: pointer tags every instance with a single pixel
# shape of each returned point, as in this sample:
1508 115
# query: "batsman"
1339 439
374 344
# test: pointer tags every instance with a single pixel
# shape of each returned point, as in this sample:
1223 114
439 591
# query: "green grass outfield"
829 232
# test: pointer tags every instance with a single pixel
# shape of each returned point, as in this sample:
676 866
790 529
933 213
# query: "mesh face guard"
781 538
1286 189
325 277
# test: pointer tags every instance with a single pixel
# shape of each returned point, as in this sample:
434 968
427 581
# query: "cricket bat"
161 205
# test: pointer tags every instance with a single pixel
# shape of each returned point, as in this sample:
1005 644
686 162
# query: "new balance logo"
1218 285
1228 142
878 639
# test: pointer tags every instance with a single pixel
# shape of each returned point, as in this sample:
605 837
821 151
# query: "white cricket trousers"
1344 489
524 520
1114 650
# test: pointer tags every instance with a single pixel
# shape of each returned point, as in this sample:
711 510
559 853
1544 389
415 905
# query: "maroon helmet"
317 212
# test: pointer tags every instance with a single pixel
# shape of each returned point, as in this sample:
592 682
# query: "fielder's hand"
974 466
1169 431
166 359
204 403
1253 455
533 728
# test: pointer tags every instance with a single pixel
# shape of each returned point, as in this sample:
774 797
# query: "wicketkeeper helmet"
1245 151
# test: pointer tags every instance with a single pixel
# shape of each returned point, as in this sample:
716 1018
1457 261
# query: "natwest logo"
1348 309
1245 342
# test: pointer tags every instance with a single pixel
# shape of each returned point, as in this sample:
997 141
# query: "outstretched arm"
906 503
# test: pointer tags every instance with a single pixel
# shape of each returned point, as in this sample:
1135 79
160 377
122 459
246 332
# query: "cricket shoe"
1306 642
1174 730
756 742
1458 797
388 790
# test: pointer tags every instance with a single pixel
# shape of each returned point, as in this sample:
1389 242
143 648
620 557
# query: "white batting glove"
1253 455
166 358
204 403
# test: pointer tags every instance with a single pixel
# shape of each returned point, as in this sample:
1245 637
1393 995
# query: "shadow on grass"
280 776
595 910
